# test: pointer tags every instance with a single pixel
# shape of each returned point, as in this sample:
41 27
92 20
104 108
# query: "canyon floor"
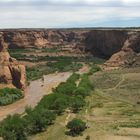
34 92
112 111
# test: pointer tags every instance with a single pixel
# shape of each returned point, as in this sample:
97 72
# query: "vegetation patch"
10 95
52 50
51 67
43 115
64 65
76 127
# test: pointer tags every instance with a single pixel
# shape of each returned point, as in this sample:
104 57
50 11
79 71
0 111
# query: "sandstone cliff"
104 43
129 54
11 72
38 38
120 46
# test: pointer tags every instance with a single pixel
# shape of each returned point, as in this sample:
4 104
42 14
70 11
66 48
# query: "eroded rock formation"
104 43
129 53
39 38
11 72
120 46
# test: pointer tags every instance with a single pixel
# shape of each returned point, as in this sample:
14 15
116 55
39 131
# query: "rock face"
120 46
129 53
11 72
38 38
104 43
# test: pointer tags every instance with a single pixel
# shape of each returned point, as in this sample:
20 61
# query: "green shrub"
13 128
10 95
76 126
64 65
94 69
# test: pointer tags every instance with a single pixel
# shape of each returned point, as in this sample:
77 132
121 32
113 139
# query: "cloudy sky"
69 13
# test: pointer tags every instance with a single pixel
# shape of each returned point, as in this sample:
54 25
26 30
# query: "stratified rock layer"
120 46
11 72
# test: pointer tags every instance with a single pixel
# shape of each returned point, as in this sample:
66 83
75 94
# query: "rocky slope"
120 46
12 74
129 55
39 38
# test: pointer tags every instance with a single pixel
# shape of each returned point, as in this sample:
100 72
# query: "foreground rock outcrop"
12 74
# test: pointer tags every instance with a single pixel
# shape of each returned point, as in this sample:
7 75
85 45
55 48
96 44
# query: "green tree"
39 120
76 126
66 88
77 103
59 105
81 91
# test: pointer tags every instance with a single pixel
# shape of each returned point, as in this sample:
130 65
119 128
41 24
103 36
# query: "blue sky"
69 13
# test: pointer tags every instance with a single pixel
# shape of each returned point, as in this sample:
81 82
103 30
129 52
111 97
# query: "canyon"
33 60
120 47
99 42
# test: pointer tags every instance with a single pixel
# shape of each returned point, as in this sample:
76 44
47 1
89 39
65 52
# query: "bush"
10 95
13 128
76 126
94 69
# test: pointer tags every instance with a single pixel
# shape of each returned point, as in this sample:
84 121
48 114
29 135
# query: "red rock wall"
11 72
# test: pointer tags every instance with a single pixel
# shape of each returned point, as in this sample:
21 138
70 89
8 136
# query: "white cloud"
131 2
66 13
